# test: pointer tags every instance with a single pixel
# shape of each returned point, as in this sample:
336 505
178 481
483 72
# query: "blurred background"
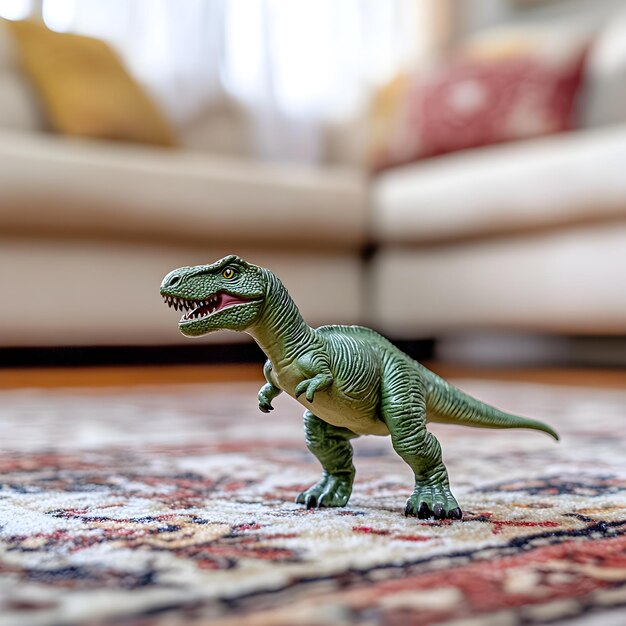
449 172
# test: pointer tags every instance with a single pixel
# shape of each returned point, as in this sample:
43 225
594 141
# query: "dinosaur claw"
301 388
310 501
408 510
455 513
438 511
423 512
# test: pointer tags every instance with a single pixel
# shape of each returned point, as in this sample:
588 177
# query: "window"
15 9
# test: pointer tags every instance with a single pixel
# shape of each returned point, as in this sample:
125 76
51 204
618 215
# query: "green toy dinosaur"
350 379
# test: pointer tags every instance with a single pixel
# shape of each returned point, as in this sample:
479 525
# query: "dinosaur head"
227 294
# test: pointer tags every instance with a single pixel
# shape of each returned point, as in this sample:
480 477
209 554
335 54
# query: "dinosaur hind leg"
404 411
331 445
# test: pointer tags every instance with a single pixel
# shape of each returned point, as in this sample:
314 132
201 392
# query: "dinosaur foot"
330 491
433 501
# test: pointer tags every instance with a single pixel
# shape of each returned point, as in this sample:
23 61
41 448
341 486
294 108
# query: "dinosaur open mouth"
197 309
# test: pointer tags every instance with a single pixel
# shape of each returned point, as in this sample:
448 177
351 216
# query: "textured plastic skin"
351 381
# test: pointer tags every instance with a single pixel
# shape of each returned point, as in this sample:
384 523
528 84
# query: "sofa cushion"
99 293
532 185
560 282
52 185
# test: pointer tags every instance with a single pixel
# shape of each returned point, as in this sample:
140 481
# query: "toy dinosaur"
351 380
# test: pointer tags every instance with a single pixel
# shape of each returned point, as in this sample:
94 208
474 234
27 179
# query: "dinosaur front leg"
266 394
317 375
404 412
270 390
331 445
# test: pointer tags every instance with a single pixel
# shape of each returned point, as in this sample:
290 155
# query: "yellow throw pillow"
383 114
85 89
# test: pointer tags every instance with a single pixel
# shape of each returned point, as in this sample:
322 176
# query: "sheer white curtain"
293 64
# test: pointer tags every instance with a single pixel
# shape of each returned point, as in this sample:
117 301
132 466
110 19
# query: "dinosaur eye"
229 273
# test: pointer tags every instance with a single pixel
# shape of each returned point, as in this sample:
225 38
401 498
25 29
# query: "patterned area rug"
175 505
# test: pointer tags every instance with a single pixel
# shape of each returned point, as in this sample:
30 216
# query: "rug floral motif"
175 505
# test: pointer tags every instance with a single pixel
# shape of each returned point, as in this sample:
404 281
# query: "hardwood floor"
123 376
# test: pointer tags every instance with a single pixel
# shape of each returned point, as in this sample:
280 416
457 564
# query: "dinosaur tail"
447 404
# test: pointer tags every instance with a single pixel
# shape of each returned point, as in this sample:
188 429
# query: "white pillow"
19 104
605 79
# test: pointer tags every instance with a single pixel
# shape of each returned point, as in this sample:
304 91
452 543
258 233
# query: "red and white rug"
175 505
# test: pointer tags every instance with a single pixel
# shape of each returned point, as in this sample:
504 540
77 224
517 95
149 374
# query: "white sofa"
89 228
87 231
527 236
522 236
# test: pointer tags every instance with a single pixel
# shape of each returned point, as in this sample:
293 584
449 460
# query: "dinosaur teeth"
196 309
179 304
200 308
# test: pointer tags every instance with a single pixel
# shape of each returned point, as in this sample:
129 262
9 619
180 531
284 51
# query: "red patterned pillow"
477 100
